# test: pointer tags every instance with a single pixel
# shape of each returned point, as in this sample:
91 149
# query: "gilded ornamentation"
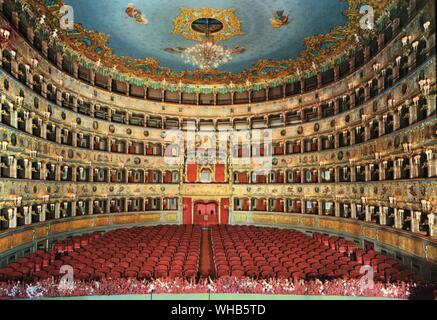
183 23
90 50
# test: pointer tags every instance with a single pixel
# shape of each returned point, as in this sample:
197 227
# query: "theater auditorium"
230 148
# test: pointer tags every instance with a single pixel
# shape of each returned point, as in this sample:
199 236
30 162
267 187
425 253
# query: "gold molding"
231 24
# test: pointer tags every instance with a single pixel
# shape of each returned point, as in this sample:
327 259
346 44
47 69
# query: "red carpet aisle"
206 268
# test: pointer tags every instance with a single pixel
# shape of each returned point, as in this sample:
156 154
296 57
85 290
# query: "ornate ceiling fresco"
271 43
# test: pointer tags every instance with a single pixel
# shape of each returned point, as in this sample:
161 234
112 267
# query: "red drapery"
279 150
188 202
219 173
167 177
278 206
242 177
224 211
191 172
246 205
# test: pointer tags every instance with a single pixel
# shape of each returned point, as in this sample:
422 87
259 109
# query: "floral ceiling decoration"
90 48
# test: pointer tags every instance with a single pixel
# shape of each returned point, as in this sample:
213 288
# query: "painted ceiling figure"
279 19
136 14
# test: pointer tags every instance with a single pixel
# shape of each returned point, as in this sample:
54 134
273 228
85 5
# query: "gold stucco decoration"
231 24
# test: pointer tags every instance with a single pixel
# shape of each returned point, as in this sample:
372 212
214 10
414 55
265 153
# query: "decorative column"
397 168
27 169
42 214
91 207
383 215
353 173
12 217
353 210
415 221
368 213
74 174
432 163
337 208
27 215
73 208
367 131
367 173
399 218
414 166
397 119
353 135
14 117
381 125
382 169
57 210
432 224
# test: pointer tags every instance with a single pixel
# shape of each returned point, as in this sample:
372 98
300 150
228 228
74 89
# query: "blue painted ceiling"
260 40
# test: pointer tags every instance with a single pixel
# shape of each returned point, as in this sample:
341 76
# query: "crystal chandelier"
206 55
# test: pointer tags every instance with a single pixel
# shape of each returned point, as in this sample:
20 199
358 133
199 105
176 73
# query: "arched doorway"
206 213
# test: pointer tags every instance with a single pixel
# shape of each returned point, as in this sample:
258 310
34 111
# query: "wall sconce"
426 25
4 145
376 67
17 201
426 205
406 40
407 147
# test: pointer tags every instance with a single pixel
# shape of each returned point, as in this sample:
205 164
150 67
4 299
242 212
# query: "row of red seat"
267 253
385 268
158 252
275 253
174 251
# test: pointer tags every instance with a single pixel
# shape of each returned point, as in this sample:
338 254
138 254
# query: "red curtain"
261 179
260 205
279 150
242 177
191 172
188 202
150 180
167 177
278 206
246 205
220 173
224 211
